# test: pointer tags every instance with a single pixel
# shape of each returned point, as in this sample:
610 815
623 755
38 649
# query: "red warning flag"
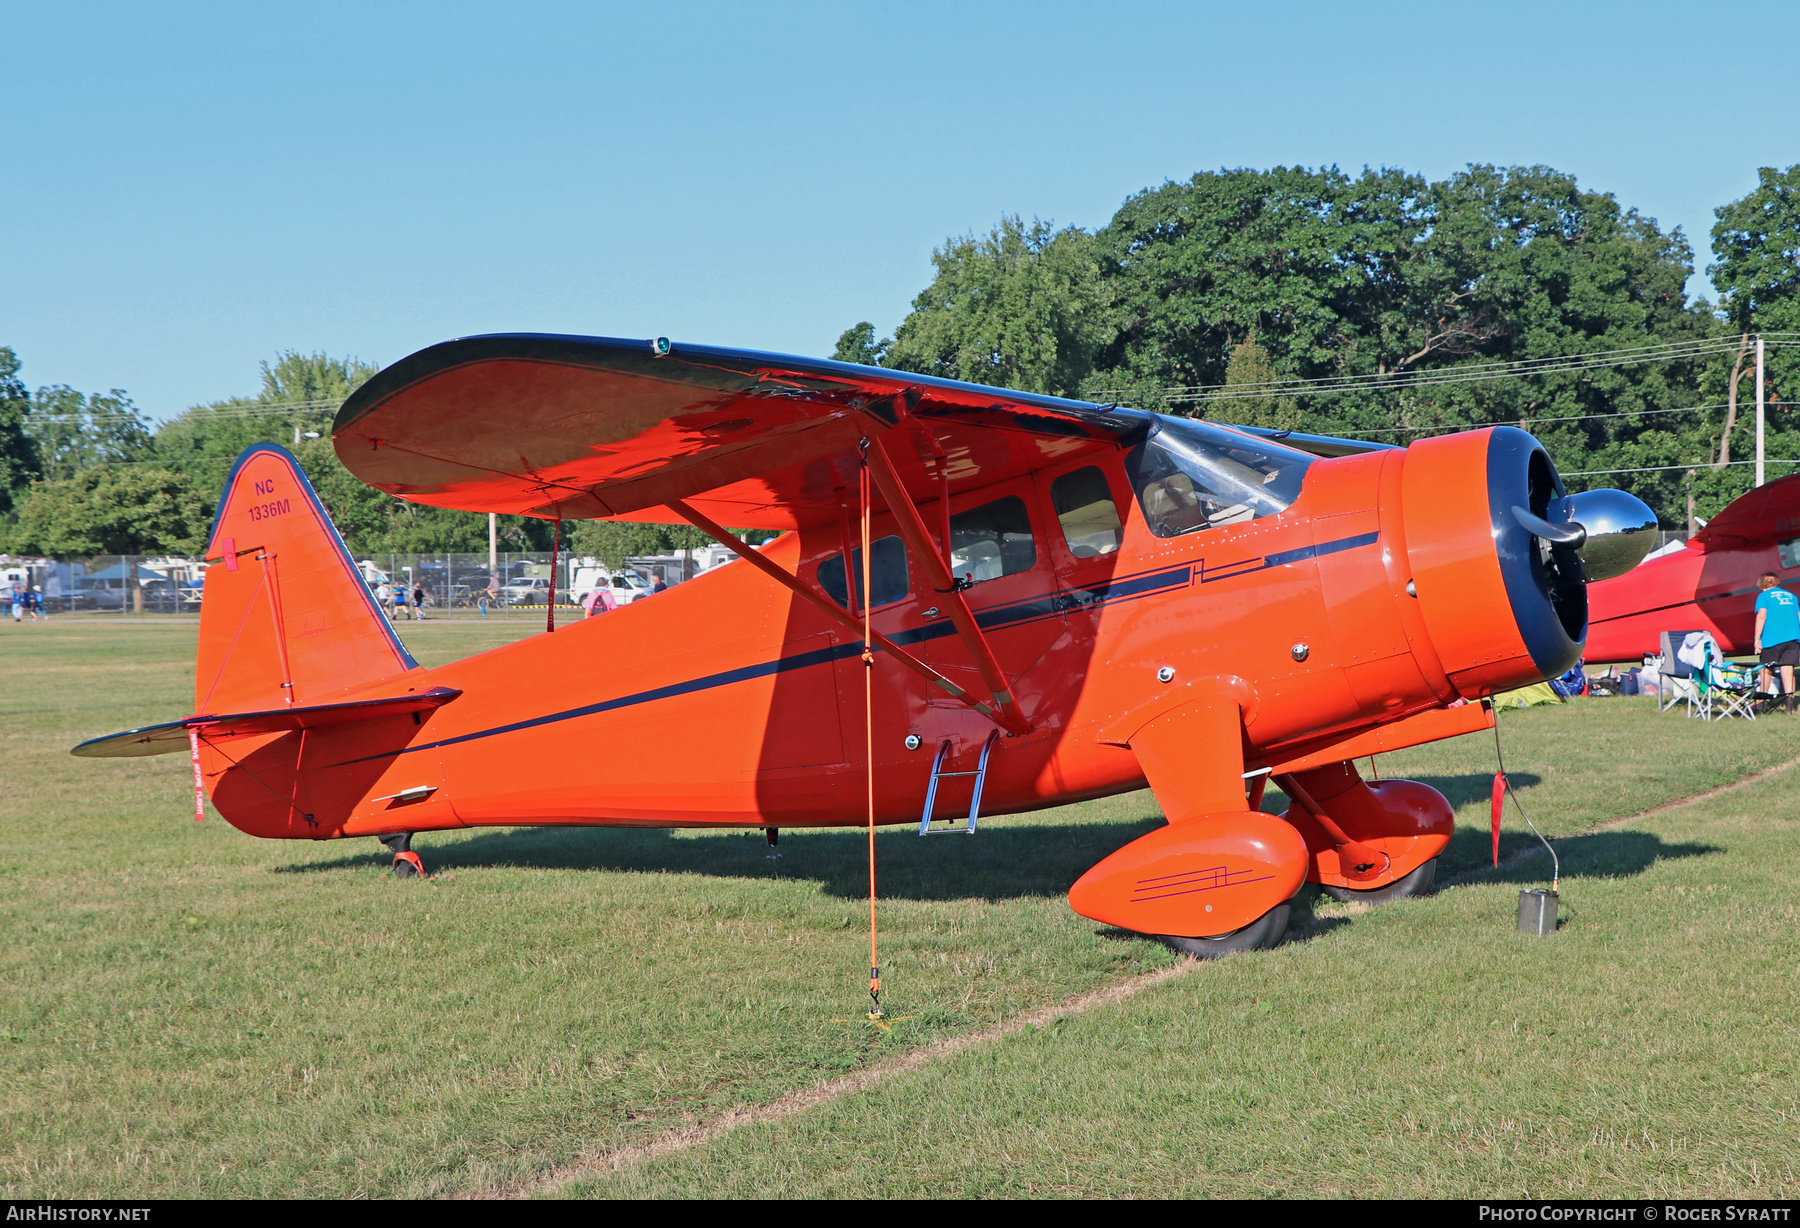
1494 815
199 784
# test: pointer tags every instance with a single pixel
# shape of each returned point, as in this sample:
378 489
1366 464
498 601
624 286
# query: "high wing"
1761 514
593 427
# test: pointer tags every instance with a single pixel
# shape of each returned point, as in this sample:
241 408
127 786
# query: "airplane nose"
1494 555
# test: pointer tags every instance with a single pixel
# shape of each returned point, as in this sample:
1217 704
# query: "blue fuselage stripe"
1130 588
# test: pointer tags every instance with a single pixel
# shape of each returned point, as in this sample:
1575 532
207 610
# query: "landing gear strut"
406 862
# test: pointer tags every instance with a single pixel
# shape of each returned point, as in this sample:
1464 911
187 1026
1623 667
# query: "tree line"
1232 282
1236 279
89 474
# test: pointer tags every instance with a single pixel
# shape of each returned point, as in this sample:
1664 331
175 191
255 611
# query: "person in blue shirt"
1777 634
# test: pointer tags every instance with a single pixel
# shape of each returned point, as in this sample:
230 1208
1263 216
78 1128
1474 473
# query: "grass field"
185 1010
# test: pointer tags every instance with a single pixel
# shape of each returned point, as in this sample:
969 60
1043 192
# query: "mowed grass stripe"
1306 924
1420 1050
185 1010
556 1180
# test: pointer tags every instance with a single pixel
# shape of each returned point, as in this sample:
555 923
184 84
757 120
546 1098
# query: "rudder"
286 617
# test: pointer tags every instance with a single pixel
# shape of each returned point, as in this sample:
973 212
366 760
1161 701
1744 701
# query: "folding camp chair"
1725 691
1675 680
1675 690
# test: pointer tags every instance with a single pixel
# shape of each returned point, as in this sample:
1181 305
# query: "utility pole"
493 548
1759 411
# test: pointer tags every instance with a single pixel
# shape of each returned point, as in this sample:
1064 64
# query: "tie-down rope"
876 1013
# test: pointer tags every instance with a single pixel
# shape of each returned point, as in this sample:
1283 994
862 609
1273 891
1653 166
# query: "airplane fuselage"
727 701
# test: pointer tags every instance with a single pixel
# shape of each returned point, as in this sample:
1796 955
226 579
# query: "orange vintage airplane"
1066 600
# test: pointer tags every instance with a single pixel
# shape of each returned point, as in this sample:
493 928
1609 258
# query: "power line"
166 462
1485 373
1472 426
1444 427
272 409
1588 473
1479 372
1394 381
1476 373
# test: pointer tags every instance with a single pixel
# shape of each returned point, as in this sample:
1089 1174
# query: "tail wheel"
1261 934
406 862
1417 883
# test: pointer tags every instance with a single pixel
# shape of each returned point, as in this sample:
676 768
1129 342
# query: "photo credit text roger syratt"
1619 1211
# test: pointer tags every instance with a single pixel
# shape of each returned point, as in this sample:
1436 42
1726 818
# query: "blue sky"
189 189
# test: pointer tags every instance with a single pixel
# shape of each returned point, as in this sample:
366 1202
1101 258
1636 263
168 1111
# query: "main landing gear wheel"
1259 935
1416 883
406 862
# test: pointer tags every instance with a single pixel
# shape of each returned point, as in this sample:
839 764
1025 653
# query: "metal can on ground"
1537 911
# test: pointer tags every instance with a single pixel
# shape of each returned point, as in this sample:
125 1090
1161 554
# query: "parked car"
95 593
163 597
525 592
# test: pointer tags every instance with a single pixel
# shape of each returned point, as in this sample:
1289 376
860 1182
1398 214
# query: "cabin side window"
992 540
1191 476
1790 553
1084 505
887 574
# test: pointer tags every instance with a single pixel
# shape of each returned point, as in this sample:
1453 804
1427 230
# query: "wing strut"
937 570
830 608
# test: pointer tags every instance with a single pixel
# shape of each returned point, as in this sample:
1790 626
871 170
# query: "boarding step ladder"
938 773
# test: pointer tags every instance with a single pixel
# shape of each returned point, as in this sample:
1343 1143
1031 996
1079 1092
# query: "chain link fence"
514 584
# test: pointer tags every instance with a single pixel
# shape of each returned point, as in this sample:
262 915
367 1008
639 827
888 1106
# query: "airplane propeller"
1560 534
1609 530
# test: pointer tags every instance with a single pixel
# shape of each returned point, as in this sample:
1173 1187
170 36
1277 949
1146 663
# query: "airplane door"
1082 508
998 548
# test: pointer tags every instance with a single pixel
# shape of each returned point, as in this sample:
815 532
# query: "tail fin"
287 618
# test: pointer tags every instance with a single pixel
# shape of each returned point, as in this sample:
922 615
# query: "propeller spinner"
1609 530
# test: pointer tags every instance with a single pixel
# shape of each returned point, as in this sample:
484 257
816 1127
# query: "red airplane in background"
1708 584
1064 600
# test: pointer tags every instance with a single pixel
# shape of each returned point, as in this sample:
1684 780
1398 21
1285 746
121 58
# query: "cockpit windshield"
1190 475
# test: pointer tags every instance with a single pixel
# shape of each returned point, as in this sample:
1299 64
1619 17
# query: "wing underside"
590 427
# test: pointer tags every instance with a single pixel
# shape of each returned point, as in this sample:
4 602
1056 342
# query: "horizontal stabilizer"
173 736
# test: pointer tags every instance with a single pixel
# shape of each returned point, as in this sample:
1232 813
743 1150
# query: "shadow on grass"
1472 787
1001 861
1605 854
1464 790
1304 922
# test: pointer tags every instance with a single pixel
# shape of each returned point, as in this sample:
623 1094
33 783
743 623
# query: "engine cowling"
1497 556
